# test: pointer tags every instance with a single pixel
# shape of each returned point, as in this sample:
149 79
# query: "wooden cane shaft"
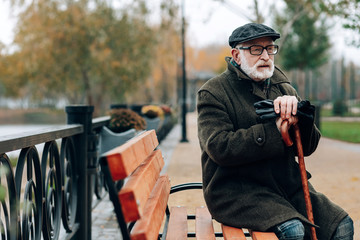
304 180
284 130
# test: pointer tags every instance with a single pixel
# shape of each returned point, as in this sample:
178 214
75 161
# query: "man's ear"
236 55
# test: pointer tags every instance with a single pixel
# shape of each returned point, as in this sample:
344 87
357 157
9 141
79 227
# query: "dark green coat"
251 179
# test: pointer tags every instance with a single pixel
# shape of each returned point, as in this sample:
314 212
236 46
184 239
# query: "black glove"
306 110
265 109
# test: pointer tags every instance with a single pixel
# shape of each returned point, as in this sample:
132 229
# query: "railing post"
82 114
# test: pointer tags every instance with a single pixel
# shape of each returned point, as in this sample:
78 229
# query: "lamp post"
184 88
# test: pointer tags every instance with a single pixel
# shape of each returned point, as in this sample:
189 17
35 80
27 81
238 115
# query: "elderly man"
250 178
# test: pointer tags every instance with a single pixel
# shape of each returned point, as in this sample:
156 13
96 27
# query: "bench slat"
178 226
203 224
231 233
137 189
136 149
263 235
147 228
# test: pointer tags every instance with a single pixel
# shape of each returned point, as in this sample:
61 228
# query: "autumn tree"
160 86
209 59
86 53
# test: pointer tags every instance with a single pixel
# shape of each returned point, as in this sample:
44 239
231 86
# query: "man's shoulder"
214 83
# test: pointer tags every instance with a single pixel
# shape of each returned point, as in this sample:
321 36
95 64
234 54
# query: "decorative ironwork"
31 199
69 189
100 186
9 213
45 195
99 183
51 174
99 176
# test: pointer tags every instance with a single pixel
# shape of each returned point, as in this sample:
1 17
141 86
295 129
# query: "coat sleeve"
228 146
310 136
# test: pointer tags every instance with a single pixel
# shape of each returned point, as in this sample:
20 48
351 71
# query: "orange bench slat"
178 226
134 194
231 233
147 228
262 235
136 149
203 224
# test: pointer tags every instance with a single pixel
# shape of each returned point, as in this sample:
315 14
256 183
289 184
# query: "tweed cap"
251 31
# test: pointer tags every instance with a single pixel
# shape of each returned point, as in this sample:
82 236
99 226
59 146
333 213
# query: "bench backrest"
141 204
143 198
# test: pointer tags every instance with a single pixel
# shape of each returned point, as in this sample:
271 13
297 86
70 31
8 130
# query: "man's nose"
265 55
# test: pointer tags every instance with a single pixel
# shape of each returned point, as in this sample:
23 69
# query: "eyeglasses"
258 50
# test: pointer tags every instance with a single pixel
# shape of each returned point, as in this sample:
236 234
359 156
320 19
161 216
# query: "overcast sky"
209 22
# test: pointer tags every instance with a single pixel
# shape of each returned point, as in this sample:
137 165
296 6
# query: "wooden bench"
141 205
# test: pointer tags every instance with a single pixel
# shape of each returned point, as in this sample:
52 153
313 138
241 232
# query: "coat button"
259 140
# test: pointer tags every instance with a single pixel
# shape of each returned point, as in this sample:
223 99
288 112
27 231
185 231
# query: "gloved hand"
265 109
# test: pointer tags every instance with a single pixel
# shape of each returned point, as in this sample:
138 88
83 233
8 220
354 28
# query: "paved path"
335 167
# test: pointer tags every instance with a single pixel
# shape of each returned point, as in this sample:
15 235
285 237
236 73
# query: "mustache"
269 63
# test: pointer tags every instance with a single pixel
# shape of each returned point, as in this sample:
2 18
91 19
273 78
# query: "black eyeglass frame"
266 47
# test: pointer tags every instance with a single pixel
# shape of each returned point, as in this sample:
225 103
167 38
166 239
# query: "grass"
326 113
344 131
329 113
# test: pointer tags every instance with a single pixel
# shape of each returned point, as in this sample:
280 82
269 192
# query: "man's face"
256 67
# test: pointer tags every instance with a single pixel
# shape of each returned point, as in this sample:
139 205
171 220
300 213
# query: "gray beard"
252 72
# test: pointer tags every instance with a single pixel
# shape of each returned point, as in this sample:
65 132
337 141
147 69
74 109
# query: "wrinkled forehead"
264 41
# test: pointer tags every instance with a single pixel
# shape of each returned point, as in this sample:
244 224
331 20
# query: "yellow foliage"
115 64
210 59
152 111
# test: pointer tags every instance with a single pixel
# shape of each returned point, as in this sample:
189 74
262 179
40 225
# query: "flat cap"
251 31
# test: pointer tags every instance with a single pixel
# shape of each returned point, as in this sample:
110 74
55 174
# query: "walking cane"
285 135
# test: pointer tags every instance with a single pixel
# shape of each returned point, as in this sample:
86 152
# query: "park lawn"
344 131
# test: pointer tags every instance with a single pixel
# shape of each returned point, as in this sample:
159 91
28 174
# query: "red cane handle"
284 129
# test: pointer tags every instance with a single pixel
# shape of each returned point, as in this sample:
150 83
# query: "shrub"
339 108
152 111
166 109
123 119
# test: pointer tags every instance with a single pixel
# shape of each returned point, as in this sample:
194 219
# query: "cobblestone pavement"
104 223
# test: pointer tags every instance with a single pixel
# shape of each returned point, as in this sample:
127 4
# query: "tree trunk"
87 89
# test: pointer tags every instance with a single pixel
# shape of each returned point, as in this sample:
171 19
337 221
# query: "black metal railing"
56 181
53 190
